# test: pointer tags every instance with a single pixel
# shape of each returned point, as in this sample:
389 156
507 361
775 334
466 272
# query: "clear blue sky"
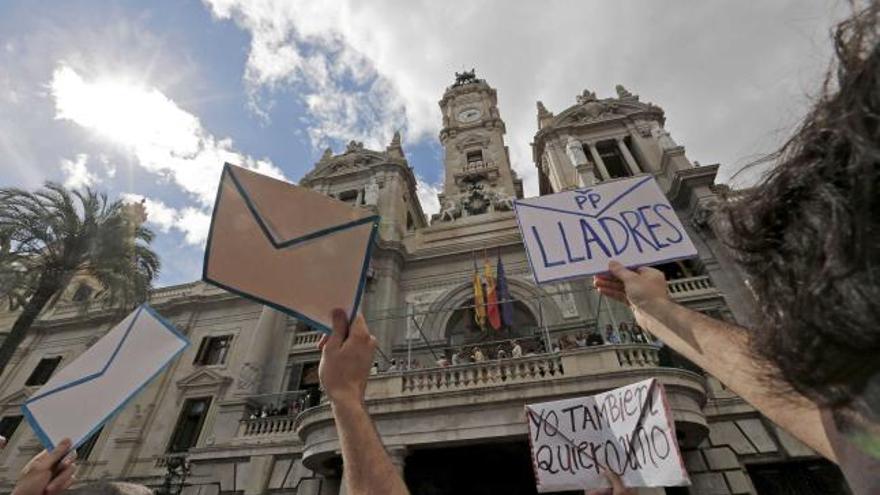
147 99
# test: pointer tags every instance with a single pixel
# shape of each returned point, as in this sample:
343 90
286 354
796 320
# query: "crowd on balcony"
625 333
286 406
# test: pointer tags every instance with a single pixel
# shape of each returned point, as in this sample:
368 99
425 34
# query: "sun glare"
124 111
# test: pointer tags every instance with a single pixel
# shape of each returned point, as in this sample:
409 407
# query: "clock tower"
479 178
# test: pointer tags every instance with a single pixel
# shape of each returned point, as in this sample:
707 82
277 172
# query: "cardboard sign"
288 247
575 233
627 430
86 393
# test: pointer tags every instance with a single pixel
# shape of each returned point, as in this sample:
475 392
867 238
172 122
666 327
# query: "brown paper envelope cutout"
288 247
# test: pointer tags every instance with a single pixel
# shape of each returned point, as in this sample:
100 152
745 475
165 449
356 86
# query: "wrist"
347 402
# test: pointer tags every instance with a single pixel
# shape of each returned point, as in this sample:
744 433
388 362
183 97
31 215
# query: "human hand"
617 486
346 358
642 289
47 473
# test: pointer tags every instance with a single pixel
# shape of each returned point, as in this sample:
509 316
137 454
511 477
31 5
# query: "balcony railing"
266 426
483 374
685 288
306 341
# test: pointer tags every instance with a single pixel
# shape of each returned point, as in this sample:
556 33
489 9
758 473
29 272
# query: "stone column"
598 160
265 337
398 457
259 470
585 174
627 156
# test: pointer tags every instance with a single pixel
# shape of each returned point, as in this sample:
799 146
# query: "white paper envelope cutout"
576 233
288 247
99 382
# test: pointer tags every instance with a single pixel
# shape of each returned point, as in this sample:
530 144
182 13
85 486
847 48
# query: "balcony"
306 341
480 402
687 289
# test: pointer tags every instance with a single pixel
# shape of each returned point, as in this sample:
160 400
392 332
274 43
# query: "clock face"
469 115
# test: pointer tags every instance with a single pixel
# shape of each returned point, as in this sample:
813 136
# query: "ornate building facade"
241 413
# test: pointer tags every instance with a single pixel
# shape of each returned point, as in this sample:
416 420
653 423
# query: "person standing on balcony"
593 338
516 352
456 357
626 337
610 336
478 355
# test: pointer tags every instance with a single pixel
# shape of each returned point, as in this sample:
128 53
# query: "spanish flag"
479 302
492 309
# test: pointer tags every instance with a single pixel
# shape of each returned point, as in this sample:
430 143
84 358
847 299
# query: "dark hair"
808 237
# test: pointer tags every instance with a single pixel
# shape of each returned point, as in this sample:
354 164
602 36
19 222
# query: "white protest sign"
87 392
627 430
575 233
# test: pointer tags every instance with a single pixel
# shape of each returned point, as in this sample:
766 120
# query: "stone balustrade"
505 372
485 374
440 405
263 427
306 341
692 287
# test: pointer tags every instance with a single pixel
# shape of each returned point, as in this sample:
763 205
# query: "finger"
359 328
613 294
61 481
621 272
57 453
322 342
609 284
617 486
340 329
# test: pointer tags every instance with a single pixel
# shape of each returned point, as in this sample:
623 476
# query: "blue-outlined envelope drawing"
576 233
288 247
83 395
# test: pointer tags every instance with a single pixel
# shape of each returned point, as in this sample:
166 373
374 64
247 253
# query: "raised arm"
718 347
346 358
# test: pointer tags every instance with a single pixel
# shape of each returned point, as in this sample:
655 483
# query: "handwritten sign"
575 233
627 430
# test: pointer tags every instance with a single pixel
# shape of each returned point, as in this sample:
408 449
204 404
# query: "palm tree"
49 236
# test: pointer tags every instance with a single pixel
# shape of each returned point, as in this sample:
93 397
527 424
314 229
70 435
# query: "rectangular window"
189 424
213 350
474 159
8 425
613 160
43 371
84 450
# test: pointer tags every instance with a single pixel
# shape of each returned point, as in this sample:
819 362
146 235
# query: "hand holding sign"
627 431
575 233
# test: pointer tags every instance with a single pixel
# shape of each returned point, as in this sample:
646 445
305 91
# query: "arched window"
463 329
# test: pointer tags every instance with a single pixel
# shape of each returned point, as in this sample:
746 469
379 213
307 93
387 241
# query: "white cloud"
727 80
76 174
194 223
163 138
428 196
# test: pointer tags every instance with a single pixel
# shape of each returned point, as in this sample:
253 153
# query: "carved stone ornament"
354 146
465 77
586 96
623 94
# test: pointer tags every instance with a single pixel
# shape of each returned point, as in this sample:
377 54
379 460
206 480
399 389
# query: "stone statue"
622 92
663 138
465 77
328 154
502 202
586 96
354 146
575 151
542 111
450 211
371 192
